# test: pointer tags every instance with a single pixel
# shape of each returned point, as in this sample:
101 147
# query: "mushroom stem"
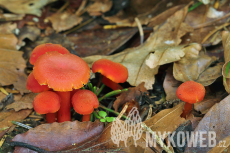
109 83
187 109
64 111
50 117
86 117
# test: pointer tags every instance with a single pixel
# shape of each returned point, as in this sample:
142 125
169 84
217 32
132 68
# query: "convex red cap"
43 48
191 92
61 72
84 102
34 86
114 71
46 102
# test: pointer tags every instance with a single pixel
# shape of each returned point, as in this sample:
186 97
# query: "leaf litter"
177 50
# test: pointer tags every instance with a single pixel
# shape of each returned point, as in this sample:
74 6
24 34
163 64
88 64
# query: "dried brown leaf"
25 6
24 103
134 58
133 93
21 82
8 41
57 136
220 147
99 7
197 67
226 44
11 115
7 28
216 119
11 65
64 20
100 42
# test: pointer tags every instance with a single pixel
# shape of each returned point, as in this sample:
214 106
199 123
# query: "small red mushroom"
84 102
43 48
190 92
62 73
113 73
47 102
34 86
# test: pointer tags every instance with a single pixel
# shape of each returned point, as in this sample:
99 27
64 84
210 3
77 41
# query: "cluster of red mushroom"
56 75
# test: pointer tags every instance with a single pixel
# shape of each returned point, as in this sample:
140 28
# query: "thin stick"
123 111
158 140
140 30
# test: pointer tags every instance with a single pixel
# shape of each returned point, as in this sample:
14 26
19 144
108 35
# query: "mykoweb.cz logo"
133 127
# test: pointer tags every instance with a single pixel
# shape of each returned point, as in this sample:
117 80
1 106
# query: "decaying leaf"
220 147
64 20
57 136
11 65
7 28
25 102
11 115
170 85
133 93
21 82
216 120
134 58
99 7
225 69
100 42
197 66
25 6
8 41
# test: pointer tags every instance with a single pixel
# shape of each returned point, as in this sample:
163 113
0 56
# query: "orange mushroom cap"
84 102
34 86
114 71
43 48
61 72
46 102
191 92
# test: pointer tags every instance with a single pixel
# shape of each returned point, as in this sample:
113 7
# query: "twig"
20 124
123 111
112 111
158 140
140 30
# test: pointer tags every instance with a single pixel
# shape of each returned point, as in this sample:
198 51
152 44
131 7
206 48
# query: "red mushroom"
47 102
43 48
84 102
34 86
114 72
62 73
190 92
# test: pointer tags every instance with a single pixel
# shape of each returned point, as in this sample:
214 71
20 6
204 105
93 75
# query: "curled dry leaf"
134 58
11 65
99 7
7 28
226 44
25 6
64 20
57 136
215 120
170 85
133 93
24 103
197 67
